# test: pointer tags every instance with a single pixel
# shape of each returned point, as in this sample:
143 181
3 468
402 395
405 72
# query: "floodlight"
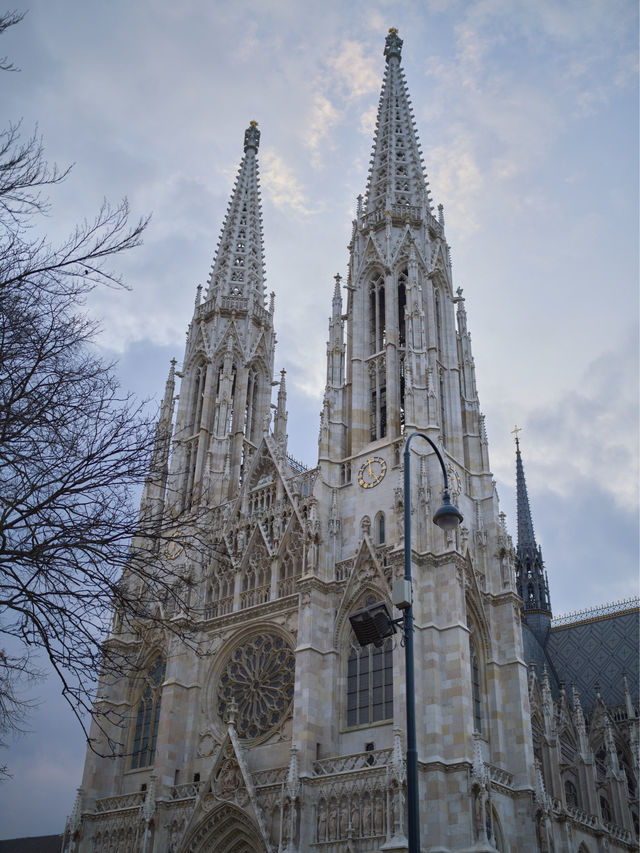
372 624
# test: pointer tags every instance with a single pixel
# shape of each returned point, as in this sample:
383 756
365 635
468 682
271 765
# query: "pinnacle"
238 266
396 175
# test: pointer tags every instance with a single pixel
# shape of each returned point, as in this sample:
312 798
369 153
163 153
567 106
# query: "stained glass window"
145 733
370 683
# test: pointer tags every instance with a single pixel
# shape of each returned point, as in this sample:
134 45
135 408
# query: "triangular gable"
230 340
403 248
440 268
366 575
372 254
228 782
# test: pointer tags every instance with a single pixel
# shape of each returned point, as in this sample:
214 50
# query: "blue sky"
528 117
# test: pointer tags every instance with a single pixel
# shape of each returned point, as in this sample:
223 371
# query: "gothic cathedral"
283 734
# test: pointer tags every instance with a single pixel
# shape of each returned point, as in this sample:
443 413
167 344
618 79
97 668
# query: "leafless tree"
74 449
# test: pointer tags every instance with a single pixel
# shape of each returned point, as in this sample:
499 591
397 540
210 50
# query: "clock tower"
276 732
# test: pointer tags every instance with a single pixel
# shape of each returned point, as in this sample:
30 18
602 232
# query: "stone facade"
277 732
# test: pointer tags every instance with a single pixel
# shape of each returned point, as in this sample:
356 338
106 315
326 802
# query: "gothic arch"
146 700
226 829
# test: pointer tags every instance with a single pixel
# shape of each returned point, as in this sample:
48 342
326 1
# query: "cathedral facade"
281 733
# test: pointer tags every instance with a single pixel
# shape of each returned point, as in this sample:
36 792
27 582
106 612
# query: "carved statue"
378 822
355 818
333 821
322 822
344 819
366 817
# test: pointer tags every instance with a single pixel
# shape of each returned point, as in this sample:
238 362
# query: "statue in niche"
366 817
378 822
322 822
344 819
355 818
333 821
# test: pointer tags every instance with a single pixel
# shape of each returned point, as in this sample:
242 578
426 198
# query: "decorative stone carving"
259 676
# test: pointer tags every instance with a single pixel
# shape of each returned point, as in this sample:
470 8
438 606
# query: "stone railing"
275 776
401 211
576 814
218 608
239 304
287 586
124 801
592 821
353 845
618 832
500 776
346 763
253 597
187 791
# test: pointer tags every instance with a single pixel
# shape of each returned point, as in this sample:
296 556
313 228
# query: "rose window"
259 676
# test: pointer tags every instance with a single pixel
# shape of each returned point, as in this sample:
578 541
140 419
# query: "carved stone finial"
393 44
252 136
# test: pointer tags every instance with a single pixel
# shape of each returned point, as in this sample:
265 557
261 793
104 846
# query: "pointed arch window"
402 304
570 793
369 681
380 532
605 809
377 315
145 732
476 692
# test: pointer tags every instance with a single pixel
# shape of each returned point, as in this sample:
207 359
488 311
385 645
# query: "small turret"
530 574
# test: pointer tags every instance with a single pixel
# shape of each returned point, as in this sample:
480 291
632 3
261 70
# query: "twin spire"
238 266
396 178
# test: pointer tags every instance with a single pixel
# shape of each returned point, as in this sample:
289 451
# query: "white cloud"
280 185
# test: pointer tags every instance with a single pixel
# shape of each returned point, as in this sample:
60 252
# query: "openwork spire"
396 175
530 574
238 266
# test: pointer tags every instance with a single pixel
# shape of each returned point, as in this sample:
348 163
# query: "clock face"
372 472
173 548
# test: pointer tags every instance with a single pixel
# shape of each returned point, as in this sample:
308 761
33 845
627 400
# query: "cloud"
280 184
324 116
350 75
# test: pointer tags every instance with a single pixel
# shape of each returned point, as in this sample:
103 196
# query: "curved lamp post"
447 517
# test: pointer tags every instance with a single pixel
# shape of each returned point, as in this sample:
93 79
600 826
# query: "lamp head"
448 517
372 624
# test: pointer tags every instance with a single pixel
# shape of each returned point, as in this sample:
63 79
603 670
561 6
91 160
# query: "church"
284 734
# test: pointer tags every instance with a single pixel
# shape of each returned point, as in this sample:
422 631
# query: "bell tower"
225 396
399 359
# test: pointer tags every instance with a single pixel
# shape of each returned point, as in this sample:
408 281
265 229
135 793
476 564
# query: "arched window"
605 809
476 694
380 529
145 732
570 793
369 682
402 304
377 315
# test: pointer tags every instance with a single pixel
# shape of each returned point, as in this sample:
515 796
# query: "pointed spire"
396 175
238 266
526 536
531 578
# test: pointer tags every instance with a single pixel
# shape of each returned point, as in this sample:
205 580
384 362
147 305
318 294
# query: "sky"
528 117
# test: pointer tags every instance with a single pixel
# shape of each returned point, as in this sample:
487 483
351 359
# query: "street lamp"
374 623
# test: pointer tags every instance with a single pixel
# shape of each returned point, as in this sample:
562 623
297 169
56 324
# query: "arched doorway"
226 829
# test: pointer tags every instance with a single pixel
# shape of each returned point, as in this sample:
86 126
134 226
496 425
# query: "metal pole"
413 797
